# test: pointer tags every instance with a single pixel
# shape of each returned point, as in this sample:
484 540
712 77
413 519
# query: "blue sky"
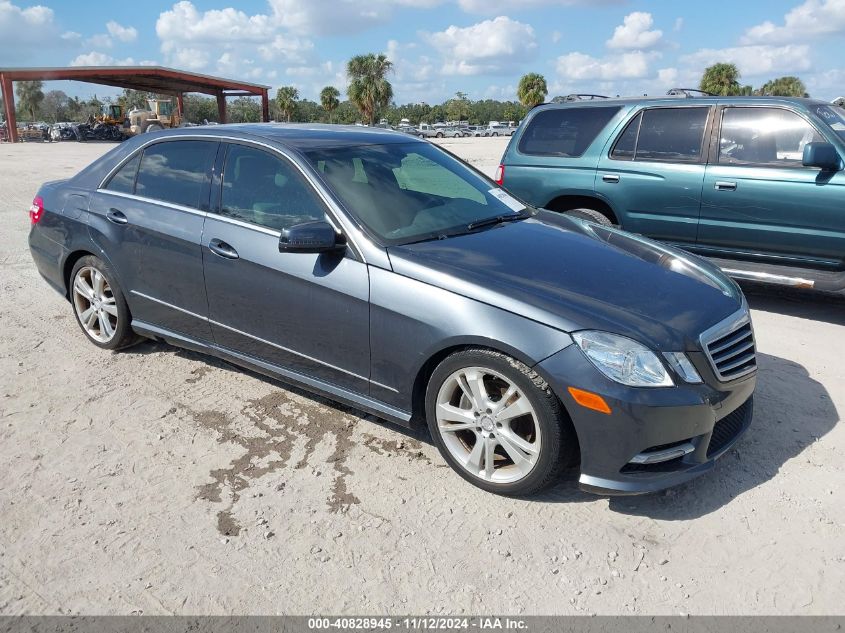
480 47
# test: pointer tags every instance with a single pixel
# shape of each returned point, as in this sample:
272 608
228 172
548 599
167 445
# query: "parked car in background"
478 130
497 130
754 183
385 273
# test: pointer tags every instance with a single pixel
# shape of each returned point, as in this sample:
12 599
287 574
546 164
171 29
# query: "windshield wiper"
499 219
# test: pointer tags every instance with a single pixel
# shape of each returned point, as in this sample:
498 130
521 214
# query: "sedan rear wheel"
497 423
99 306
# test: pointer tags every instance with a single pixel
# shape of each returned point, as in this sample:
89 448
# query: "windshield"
407 192
834 118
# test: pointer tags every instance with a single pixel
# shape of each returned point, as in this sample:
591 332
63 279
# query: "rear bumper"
701 421
49 258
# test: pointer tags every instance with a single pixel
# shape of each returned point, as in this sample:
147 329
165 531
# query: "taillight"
500 175
36 210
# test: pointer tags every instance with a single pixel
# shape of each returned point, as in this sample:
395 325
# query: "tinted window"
264 189
764 136
626 145
671 134
564 131
833 117
175 171
124 180
410 191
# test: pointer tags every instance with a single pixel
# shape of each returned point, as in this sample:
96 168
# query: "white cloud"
486 47
342 17
26 30
492 7
183 23
754 61
635 32
629 65
287 49
101 40
122 33
679 24
813 17
556 35
96 58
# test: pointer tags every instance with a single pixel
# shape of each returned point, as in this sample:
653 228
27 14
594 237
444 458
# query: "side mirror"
311 237
822 155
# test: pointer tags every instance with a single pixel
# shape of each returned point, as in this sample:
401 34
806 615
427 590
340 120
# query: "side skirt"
328 390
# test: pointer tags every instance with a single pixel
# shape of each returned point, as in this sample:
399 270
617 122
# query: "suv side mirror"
311 237
822 155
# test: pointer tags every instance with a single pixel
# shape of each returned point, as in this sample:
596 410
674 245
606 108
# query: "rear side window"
663 134
764 136
124 180
175 171
564 131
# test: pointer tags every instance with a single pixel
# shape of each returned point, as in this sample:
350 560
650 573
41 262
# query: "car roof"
676 100
300 136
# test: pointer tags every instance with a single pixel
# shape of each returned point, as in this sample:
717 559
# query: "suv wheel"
497 423
99 305
590 214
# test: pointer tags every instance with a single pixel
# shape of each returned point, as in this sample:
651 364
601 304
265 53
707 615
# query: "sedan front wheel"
497 422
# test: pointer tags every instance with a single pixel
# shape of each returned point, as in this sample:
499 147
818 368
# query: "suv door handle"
723 185
116 216
610 178
221 248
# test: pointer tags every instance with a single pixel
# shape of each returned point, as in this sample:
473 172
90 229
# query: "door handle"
221 248
610 178
116 216
723 185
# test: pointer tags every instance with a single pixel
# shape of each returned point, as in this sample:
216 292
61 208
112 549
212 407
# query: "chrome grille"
730 347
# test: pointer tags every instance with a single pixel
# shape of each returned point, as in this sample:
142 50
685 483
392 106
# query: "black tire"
123 335
592 215
559 446
439 135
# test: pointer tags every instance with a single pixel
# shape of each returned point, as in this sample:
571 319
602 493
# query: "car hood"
575 275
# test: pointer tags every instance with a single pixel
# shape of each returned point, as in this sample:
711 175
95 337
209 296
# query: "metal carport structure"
147 78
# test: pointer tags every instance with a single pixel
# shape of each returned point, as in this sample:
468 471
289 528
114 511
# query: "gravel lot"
159 481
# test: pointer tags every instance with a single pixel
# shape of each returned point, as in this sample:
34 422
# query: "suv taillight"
36 210
500 175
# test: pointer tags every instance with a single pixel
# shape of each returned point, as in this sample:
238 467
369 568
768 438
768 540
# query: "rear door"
304 312
148 219
760 202
651 173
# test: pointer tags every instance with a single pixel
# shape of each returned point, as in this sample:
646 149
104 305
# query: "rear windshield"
564 131
833 117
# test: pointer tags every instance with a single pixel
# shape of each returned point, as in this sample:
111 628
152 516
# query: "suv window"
564 131
175 171
264 189
764 136
671 134
124 180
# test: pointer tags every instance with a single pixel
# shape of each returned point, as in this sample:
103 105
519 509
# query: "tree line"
369 99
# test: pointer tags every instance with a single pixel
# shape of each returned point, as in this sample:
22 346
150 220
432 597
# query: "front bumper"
710 417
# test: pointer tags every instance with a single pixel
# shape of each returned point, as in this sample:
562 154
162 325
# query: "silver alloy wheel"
488 425
94 304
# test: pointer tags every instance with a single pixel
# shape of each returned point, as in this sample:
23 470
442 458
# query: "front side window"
833 117
671 134
124 180
175 171
564 131
264 189
411 191
764 136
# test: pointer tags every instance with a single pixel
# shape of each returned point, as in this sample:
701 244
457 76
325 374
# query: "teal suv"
754 183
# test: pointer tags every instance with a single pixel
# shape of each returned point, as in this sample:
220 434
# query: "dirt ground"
159 481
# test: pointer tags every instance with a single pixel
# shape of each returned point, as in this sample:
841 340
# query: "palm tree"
532 90
784 87
721 79
286 97
329 99
30 96
368 88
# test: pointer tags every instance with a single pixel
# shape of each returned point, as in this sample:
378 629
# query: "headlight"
623 360
681 364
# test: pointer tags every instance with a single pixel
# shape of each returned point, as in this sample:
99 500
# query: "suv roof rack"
689 93
578 97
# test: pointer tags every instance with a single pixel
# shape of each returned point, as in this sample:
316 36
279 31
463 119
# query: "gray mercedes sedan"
383 272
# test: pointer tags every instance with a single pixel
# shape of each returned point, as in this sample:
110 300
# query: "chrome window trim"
170 205
723 327
334 212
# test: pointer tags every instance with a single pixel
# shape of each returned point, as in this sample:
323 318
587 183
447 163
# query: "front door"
760 202
305 312
652 173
